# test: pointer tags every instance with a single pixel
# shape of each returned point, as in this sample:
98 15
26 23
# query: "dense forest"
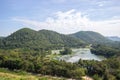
106 51
28 50
91 37
32 61
39 63
39 39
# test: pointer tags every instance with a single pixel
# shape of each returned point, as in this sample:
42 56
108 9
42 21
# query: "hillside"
14 56
28 38
1 37
91 37
61 39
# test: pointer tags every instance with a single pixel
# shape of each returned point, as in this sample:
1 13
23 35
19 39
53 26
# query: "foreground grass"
9 75
6 74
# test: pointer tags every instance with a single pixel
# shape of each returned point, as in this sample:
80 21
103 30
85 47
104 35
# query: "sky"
63 16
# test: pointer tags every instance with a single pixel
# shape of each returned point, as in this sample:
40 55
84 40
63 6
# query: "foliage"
106 51
91 37
16 76
35 62
66 51
39 64
104 70
43 39
26 50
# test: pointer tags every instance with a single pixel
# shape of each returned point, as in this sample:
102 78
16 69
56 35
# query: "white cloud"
102 3
73 21
58 1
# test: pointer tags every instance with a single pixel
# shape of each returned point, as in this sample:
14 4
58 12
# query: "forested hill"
57 38
28 38
91 37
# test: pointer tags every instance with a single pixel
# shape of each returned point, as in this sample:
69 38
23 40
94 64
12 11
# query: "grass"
6 74
10 76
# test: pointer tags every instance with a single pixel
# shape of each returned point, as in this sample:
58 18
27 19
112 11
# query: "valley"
59 39
72 56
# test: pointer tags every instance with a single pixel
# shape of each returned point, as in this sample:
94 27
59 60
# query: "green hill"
91 37
28 38
61 39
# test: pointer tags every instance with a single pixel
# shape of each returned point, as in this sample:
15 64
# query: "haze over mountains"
50 39
114 38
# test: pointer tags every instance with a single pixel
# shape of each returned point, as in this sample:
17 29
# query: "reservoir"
80 53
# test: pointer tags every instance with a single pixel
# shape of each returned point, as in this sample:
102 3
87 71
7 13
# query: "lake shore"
77 54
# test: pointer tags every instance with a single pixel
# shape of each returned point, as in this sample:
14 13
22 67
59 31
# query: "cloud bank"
72 21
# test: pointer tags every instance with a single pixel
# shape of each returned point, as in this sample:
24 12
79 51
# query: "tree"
66 51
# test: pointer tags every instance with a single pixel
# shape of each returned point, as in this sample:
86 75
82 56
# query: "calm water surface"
81 53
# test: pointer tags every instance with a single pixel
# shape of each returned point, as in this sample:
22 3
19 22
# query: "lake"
80 53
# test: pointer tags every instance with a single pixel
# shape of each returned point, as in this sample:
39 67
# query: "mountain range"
114 38
91 37
28 38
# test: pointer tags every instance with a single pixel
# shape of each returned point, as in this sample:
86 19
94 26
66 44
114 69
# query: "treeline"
107 51
102 70
36 62
66 51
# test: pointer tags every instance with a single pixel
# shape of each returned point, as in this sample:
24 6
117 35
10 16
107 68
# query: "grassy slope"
12 75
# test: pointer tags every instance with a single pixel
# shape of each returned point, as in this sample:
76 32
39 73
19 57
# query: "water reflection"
81 53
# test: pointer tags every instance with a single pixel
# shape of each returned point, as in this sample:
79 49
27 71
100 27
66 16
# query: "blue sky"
64 16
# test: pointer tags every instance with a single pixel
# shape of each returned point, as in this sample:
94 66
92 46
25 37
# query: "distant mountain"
1 37
28 38
114 38
91 37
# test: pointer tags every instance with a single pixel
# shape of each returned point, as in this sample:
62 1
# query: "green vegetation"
27 51
6 74
95 38
34 62
21 61
66 51
106 51
91 37
27 38
105 70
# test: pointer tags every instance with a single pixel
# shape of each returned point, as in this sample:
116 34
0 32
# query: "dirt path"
87 78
